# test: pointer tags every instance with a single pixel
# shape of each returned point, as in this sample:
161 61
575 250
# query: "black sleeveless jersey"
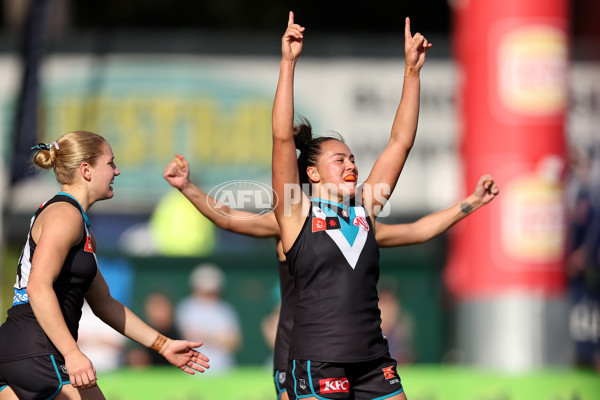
286 317
21 336
335 265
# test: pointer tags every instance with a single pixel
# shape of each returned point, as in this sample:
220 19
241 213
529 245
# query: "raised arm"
180 353
285 167
177 173
388 166
436 223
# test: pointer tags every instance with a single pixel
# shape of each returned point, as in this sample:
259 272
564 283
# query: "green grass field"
420 382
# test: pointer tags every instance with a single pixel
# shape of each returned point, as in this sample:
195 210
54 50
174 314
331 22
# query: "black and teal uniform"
337 348
29 363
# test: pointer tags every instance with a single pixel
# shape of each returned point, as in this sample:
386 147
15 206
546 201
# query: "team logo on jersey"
389 372
344 215
319 224
323 223
64 369
302 383
352 246
281 378
333 223
334 385
362 223
88 245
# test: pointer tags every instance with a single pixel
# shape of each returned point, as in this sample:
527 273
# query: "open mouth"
350 178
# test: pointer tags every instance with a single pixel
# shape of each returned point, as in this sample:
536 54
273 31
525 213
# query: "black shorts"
40 377
340 381
279 376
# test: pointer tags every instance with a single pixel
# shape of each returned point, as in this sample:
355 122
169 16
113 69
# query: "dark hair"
67 153
310 148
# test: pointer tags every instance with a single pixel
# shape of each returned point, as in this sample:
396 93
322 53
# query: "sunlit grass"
9 256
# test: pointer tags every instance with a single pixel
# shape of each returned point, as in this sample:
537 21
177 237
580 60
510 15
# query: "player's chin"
110 193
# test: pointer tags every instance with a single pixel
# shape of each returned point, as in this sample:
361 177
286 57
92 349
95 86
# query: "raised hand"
486 189
292 40
181 354
414 47
177 172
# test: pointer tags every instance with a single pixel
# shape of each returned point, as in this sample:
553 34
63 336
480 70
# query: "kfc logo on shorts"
362 223
389 372
335 385
318 224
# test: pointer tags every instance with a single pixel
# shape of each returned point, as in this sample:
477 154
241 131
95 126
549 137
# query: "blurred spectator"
583 258
175 229
397 325
99 342
206 316
270 322
268 327
159 314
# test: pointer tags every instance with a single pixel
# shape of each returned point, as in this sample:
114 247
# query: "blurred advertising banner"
216 110
513 63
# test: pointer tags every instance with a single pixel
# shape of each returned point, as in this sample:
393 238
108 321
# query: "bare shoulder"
59 221
62 211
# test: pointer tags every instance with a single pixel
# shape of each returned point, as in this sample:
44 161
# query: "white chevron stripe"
351 253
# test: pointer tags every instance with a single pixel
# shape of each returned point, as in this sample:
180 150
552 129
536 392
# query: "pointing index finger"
291 18
407 33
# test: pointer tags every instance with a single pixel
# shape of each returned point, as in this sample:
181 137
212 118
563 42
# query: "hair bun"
302 133
43 155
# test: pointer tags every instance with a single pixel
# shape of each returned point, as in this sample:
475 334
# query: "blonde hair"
71 150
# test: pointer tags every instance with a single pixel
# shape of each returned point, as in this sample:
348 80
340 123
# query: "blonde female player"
39 356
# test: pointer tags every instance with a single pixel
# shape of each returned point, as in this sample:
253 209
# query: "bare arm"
389 164
177 173
180 353
58 228
436 223
285 167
